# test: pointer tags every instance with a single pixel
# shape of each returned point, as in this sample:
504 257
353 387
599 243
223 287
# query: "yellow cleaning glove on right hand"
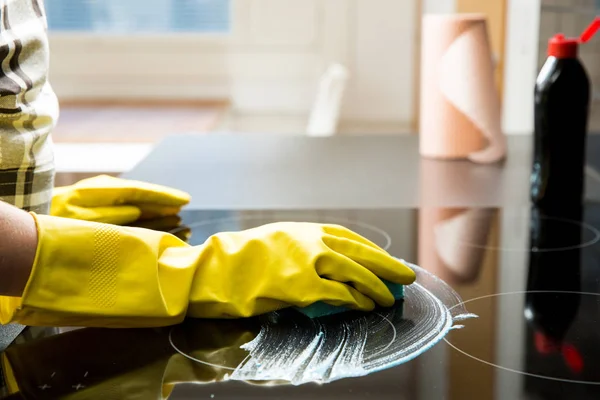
93 274
241 274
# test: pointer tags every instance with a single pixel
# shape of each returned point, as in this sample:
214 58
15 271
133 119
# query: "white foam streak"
297 349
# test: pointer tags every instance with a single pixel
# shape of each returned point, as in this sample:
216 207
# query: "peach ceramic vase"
460 106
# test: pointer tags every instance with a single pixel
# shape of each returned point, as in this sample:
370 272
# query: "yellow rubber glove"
91 274
284 264
116 201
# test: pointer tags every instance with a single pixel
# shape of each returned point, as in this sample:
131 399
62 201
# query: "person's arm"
18 244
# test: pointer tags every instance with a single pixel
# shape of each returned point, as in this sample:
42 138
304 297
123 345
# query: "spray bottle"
562 97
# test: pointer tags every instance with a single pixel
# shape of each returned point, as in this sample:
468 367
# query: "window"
138 16
263 56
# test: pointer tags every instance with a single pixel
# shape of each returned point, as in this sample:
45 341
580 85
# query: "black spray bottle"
562 97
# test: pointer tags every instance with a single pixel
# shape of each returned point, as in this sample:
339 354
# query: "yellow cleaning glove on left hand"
116 201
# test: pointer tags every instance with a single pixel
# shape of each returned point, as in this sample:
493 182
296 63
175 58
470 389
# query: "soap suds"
294 348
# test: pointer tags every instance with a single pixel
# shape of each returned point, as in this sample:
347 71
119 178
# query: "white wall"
270 63
521 63
383 47
439 6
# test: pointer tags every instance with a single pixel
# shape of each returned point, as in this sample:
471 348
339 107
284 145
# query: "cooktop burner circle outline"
319 357
193 358
392 339
277 215
582 224
508 369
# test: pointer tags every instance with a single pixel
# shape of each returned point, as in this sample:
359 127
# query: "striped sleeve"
28 107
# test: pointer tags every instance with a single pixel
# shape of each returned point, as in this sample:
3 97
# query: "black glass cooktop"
532 279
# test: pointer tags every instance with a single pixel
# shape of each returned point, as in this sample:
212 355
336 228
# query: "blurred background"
128 73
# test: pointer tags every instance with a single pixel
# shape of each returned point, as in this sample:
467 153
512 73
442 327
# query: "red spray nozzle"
561 47
590 31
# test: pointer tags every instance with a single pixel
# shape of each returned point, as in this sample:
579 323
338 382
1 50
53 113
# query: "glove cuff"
92 274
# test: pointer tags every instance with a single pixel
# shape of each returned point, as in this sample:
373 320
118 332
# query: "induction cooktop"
531 278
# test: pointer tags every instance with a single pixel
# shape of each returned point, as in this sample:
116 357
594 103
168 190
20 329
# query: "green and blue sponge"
321 309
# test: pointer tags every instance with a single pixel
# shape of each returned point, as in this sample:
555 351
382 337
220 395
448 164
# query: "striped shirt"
28 106
28 112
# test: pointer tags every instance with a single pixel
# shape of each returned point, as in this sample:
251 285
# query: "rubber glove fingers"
343 232
121 215
343 295
116 201
339 268
379 262
125 191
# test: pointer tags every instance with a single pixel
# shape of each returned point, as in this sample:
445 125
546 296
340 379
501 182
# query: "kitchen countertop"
531 278
224 171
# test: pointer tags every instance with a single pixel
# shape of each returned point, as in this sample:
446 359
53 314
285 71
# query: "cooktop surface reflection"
532 280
